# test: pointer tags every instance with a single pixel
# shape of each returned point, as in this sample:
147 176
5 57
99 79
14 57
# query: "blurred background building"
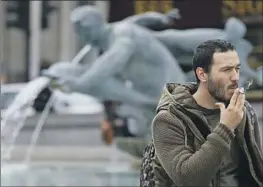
58 41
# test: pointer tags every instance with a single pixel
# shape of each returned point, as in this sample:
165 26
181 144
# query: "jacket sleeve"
183 165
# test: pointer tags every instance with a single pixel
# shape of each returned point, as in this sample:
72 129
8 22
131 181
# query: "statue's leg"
138 123
115 90
142 118
133 146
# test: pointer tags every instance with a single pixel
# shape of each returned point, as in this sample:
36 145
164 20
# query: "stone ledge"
70 154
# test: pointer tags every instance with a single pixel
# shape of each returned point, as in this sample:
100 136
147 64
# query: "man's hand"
233 114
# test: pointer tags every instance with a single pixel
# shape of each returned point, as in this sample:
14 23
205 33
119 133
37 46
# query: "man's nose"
235 76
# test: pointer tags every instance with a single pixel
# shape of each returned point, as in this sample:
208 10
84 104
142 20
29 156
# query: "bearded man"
206 134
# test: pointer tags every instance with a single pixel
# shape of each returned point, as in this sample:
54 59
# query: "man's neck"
204 98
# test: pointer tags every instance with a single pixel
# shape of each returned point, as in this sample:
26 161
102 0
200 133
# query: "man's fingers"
221 106
240 101
234 98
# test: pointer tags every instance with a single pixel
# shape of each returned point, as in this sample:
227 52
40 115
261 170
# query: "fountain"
34 164
14 119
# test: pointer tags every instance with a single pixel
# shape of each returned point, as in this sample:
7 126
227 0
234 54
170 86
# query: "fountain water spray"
14 119
25 98
38 128
81 54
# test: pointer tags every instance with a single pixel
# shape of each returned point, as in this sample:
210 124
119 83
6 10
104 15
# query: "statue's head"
88 23
235 29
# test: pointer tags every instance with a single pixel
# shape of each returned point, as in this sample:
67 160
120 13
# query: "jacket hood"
178 94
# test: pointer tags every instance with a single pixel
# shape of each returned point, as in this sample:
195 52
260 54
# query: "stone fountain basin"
76 166
75 118
64 130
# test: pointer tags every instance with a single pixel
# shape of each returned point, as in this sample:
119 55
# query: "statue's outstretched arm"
186 40
114 89
107 65
151 19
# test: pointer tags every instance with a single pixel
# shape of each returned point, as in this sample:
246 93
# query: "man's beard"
217 91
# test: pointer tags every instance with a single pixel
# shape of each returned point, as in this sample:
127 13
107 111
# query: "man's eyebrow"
236 66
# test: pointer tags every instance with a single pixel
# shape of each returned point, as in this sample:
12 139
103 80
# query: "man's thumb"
220 105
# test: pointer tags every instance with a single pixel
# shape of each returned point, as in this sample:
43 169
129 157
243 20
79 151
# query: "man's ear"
201 74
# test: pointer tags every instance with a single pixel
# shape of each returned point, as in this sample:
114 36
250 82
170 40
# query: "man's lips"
233 87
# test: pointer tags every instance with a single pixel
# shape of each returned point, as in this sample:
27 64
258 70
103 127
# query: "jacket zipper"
202 140
199 137
217 176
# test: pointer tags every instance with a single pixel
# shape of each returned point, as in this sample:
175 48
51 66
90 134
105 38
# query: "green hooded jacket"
189 153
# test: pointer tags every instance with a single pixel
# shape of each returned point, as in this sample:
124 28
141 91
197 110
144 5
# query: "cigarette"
242 90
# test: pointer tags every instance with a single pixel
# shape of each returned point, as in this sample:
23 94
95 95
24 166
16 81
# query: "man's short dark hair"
203 56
